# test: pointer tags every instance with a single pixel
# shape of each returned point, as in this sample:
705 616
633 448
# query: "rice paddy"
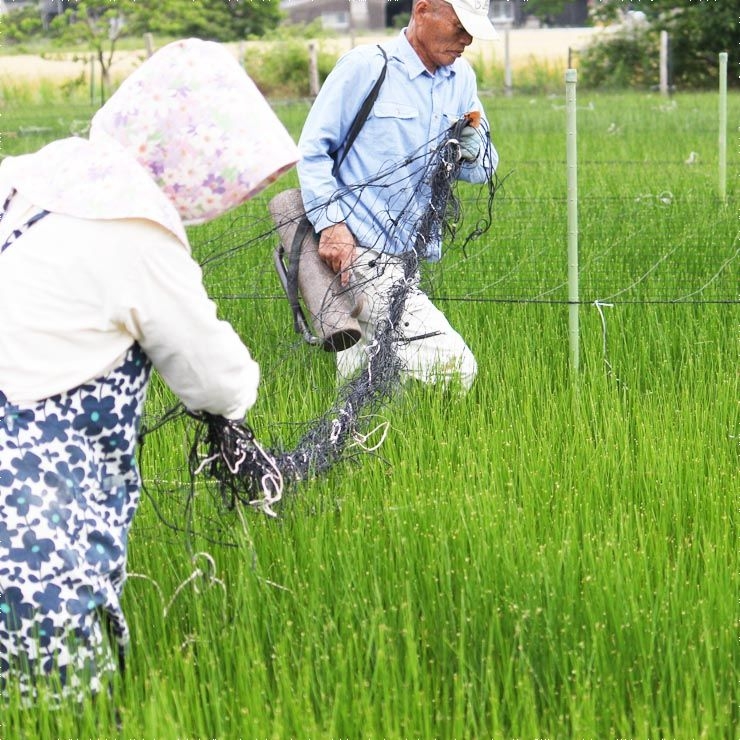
554 554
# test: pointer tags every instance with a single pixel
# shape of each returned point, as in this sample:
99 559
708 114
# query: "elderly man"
364 195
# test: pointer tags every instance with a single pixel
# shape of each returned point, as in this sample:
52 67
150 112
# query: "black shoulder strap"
362 114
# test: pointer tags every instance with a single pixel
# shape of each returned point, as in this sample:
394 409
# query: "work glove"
470 144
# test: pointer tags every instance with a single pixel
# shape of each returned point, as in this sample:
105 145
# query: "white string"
255 561
721 269
197 573
205 462
360 439
599 305
663 198
150 580
336 430
273 479
645 274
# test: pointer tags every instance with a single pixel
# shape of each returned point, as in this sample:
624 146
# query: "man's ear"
423 7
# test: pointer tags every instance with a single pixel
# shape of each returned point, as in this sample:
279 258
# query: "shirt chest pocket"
393 132
396 129
386 109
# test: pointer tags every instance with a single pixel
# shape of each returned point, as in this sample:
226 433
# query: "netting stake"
572 166
723 126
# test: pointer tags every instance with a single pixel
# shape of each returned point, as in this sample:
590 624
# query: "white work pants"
429 348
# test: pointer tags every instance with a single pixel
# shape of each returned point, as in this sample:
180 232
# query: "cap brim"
477 26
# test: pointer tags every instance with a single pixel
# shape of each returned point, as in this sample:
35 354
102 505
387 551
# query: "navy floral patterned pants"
69 488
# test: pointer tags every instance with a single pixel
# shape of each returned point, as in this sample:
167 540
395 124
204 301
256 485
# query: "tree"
20 25
214 20
697 32
100 25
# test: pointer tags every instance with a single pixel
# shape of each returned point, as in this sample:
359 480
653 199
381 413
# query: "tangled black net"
227 453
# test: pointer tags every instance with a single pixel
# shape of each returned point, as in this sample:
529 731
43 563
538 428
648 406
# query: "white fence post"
571 150
313 68
149 43
507 64
664 62
723 126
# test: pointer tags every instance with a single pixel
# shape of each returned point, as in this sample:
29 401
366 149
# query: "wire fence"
641 248
638 242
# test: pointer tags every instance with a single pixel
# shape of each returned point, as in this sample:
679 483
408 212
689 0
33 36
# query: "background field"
525 45
549 556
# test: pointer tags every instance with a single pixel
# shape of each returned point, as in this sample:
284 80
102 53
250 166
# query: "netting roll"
332 308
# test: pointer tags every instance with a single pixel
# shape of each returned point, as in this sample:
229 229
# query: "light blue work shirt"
380 191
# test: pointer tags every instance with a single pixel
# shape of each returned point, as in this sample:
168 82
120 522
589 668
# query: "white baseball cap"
473 14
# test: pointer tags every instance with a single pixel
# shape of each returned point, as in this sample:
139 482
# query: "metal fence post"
508 88
313 68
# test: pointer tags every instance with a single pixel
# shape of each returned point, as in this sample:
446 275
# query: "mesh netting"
227 453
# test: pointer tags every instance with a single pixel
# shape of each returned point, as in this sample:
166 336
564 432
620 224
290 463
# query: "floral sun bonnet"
188 123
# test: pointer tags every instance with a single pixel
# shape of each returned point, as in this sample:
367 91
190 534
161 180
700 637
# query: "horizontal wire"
540 301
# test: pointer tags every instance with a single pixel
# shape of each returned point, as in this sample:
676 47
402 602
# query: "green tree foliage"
698 31
98 25
621 60
544 9
20 25
215 20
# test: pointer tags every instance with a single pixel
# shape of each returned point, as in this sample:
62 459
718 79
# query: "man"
365 198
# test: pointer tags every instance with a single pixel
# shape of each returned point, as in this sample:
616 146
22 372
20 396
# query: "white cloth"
75 293
199 126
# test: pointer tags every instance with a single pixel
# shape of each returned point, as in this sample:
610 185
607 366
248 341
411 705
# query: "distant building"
52 8
48 9
339 15
516 13
8 5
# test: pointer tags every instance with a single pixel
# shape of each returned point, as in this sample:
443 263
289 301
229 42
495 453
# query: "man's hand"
337 249
470 144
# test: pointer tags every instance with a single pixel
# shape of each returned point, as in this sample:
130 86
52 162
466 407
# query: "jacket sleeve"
167 310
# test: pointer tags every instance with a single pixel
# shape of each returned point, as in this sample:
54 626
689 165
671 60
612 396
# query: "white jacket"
76 293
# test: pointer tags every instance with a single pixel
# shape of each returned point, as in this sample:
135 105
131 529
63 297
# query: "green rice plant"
553 554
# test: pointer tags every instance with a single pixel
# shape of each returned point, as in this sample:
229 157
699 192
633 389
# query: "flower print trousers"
69 488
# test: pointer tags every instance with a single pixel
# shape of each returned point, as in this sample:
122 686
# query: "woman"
96 285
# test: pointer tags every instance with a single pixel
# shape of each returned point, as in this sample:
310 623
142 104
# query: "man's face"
442 38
